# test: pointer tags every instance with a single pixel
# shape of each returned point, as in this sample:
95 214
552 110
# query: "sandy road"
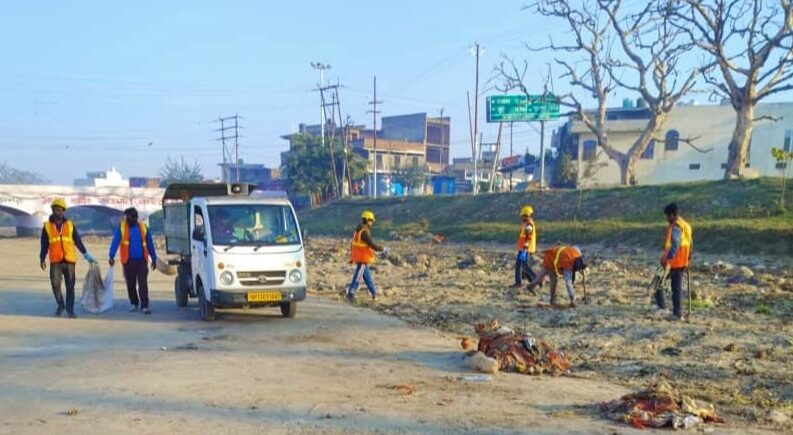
329 370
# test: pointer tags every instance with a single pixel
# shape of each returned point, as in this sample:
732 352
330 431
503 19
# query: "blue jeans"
523 270
676 277
362 269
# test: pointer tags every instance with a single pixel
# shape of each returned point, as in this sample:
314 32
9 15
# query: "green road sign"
509 108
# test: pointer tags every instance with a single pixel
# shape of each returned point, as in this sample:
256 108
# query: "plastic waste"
475 378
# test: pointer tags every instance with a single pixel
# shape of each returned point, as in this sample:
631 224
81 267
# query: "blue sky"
86 85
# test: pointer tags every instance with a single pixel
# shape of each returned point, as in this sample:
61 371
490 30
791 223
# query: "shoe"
350 297
71 315
58 312
146 310
133 308
374 298
659 312
572 304
674 318
515 286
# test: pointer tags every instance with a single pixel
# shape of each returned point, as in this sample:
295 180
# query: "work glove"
89 258
111 261
385 252
523 256
154 264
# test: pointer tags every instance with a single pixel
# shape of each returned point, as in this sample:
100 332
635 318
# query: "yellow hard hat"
367 215
526 211
58 202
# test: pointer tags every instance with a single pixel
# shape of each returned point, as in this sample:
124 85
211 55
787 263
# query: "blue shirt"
675 242
135 244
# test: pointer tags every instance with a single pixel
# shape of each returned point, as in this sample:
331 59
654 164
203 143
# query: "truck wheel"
288 309
204 306
180 292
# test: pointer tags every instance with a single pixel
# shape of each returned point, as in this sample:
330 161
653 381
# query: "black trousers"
60 272
136 274
676 277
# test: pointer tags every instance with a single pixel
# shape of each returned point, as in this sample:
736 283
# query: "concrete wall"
712 125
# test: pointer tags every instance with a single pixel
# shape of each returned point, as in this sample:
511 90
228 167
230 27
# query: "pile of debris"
660 406
514 351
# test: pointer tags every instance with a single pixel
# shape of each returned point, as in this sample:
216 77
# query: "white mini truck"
236 247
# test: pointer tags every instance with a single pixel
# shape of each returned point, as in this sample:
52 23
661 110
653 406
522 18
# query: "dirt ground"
333 368
735 350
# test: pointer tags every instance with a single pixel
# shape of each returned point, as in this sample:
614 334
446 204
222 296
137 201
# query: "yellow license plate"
264 297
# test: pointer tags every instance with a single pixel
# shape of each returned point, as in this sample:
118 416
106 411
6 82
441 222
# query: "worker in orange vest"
562 261
136 249
676 255
59 237
362 254
527 247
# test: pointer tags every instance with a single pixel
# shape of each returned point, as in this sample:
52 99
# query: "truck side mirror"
199 235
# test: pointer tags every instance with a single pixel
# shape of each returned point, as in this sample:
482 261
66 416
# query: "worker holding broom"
527 246
561 261
675 258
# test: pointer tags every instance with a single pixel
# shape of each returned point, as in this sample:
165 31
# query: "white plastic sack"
97 293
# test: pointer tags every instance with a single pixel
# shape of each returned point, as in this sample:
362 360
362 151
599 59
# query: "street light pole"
321 67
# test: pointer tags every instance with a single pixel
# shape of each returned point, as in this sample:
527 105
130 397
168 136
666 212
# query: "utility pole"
321 67
334 101
227 153
476 119
542 153
374 113
510 154
443 131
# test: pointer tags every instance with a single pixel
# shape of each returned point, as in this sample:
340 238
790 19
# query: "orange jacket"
527 238
360 251
683 254
559 258
61 243
124 247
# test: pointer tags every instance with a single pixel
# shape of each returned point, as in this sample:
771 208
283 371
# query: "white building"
672 160
111 178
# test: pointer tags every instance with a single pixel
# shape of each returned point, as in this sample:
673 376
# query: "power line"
227 151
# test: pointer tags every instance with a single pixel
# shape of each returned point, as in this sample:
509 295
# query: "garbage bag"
97 293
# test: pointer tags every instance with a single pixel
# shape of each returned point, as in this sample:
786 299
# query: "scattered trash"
405 389
732 347
475 378
481 362
516 351
467 343
672 351
187 346
438 239
72 412
660 406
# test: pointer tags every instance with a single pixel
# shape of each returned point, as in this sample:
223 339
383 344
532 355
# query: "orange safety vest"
559 258
683 254
532 237
61 245
360 252
124 249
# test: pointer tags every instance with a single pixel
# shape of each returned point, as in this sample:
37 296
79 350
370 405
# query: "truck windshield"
252 224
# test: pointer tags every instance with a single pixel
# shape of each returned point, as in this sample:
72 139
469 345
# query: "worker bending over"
562 261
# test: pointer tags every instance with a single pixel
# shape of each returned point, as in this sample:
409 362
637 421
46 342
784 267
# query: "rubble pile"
519 352
660 406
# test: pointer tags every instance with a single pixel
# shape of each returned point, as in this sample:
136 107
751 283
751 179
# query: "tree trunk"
625 170
631 169
739 144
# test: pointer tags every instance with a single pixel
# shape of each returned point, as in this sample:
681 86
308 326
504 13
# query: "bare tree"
652 50
583 60
614 47
749 48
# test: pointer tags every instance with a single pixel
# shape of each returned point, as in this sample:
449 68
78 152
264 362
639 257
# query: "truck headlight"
226 278
295 276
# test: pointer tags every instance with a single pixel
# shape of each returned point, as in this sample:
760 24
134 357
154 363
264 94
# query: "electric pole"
226 125
510 155
476 120
374 113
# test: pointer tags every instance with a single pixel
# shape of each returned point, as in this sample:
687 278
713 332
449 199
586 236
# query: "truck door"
199 246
